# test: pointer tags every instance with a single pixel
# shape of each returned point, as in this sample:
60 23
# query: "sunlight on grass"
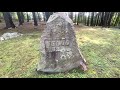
100 48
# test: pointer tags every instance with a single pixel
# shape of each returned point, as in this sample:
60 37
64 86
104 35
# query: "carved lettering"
56 43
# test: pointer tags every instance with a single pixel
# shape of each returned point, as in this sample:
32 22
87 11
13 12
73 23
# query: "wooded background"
104 19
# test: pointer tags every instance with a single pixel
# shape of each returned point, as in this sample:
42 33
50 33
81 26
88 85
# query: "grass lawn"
100 47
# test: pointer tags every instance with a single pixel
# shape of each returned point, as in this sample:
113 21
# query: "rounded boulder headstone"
59 50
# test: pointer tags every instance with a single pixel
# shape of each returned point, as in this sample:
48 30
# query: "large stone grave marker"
59 50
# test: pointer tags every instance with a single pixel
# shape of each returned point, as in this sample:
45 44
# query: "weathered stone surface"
59 50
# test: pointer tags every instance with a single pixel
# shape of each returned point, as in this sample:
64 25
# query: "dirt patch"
27 27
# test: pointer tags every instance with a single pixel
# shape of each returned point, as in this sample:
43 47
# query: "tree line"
104 19
8 18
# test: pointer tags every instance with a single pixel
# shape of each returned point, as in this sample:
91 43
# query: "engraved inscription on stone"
55 45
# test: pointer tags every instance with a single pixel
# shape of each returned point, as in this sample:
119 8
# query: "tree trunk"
105 19
88 19
117 20
92 17
22 17
19 18
78 18
83 19
39 16
113 19
75 18
47 15
8 20
110 18
28 18
35 19
96 19
44 17
99 19
102 19
71 15
11 22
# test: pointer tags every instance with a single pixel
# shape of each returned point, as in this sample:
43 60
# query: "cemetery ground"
100 47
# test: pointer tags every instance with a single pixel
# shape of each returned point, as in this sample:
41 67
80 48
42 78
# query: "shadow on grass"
75 70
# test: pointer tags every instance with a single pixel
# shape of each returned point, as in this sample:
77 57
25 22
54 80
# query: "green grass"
101 49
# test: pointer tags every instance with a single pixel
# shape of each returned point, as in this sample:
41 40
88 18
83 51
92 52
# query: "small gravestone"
59 50
10 35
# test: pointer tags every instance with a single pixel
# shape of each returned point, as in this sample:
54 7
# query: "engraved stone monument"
59 50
